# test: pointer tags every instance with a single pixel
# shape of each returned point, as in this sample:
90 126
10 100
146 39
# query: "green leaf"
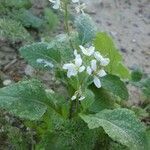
41 55
147 141
106 47
145 86
26 18
59 103
136 75
103 100
140 112
62 44
16 3
13 31
121 125
89 99
69 135
51 18
113 84
86 28
26 99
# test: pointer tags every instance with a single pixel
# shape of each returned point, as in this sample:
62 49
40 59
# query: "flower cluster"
94 67
79 8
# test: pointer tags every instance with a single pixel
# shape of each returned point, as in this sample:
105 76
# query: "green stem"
66 18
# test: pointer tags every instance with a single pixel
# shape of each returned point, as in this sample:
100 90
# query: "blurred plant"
142 82
20 12
13 31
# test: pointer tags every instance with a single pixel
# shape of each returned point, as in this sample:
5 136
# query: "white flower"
75 1
74 68
73 97
79 95
89 70
103 61
97 82
44 62
87 51
93 65
81 98
96 73
101 73
56 3
80 8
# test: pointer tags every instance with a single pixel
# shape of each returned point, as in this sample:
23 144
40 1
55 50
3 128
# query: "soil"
128 22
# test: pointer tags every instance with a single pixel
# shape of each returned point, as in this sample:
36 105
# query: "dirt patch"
128 22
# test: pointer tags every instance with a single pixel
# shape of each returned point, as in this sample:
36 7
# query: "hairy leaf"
103 100
113 84
147 141
26 18
121 125
145 86
13 30
51 18
106 47
89 99
41 55
26 99
69 135
86 28
136 75
65 44
16 3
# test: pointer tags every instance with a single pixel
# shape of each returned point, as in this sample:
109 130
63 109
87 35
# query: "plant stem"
66 18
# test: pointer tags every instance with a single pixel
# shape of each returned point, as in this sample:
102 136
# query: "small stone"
7 82
132 50
113 33
123 50
133 40
29 70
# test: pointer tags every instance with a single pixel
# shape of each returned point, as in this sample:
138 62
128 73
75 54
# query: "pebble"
123 50
29 70
133 40
7 82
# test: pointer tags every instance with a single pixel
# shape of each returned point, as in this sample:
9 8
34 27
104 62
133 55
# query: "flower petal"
98 56
83 49
97 82
68 66
81 69
87 51
56 3
93 65
101 73
91 50
105 61
78 60
75 53
72 72
81 98
75 1
73 97
89 70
